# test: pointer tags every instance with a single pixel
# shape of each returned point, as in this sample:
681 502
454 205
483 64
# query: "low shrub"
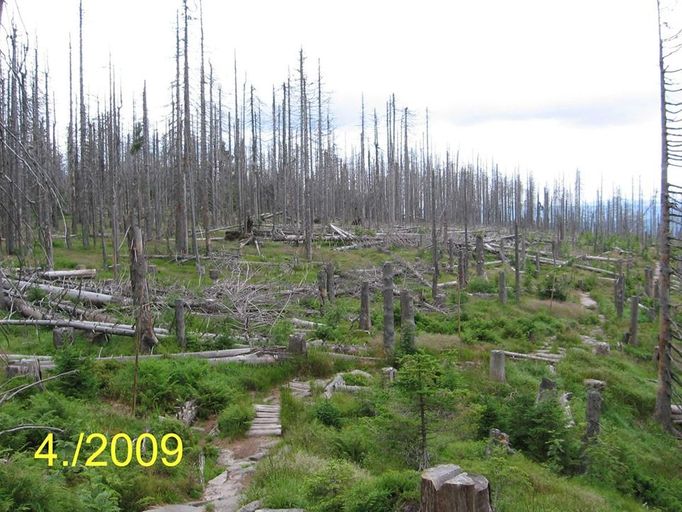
235 419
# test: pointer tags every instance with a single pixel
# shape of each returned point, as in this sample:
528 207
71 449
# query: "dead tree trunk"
389 328
619 295
407 325
663 411
634 316
497 372
479 255
180 323
144 325
503 288
365 319
517 264
329 270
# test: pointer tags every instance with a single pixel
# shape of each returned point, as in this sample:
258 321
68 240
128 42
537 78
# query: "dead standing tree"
145 338
670 336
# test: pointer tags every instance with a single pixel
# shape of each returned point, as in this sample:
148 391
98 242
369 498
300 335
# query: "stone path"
586 301
240 457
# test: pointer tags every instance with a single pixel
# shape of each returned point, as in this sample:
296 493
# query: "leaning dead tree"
670 334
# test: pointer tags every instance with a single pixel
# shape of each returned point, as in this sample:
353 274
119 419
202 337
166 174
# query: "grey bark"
497 360
503 288
365 318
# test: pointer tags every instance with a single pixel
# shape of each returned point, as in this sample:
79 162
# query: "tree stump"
446 488
497 366
322 286
365 318
331 293
593 410
213 274
62 336
547 390
389 327
297 345
388 373
503 288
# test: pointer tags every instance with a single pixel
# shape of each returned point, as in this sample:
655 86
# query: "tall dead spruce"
669 392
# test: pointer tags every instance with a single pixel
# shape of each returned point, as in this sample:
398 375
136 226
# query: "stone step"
265 432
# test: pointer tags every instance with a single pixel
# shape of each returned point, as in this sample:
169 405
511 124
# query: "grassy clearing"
357 452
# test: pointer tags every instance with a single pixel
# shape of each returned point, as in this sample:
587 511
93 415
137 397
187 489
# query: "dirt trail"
239 458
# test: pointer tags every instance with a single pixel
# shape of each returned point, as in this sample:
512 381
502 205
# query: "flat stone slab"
176 508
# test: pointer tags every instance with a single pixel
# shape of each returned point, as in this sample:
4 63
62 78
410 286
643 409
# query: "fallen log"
76 294
73 274
12 302
305 324
83 325
94 315
547 358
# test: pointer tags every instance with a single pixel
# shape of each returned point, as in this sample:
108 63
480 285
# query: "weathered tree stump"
497 366
389 373
187 412
297 345
331 293
365 318
547 390
446 488
593 410
503 288
214 274
180 323
389 327
322 286
62 336
407 325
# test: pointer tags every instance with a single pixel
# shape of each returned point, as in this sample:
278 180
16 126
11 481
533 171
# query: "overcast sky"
540 85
